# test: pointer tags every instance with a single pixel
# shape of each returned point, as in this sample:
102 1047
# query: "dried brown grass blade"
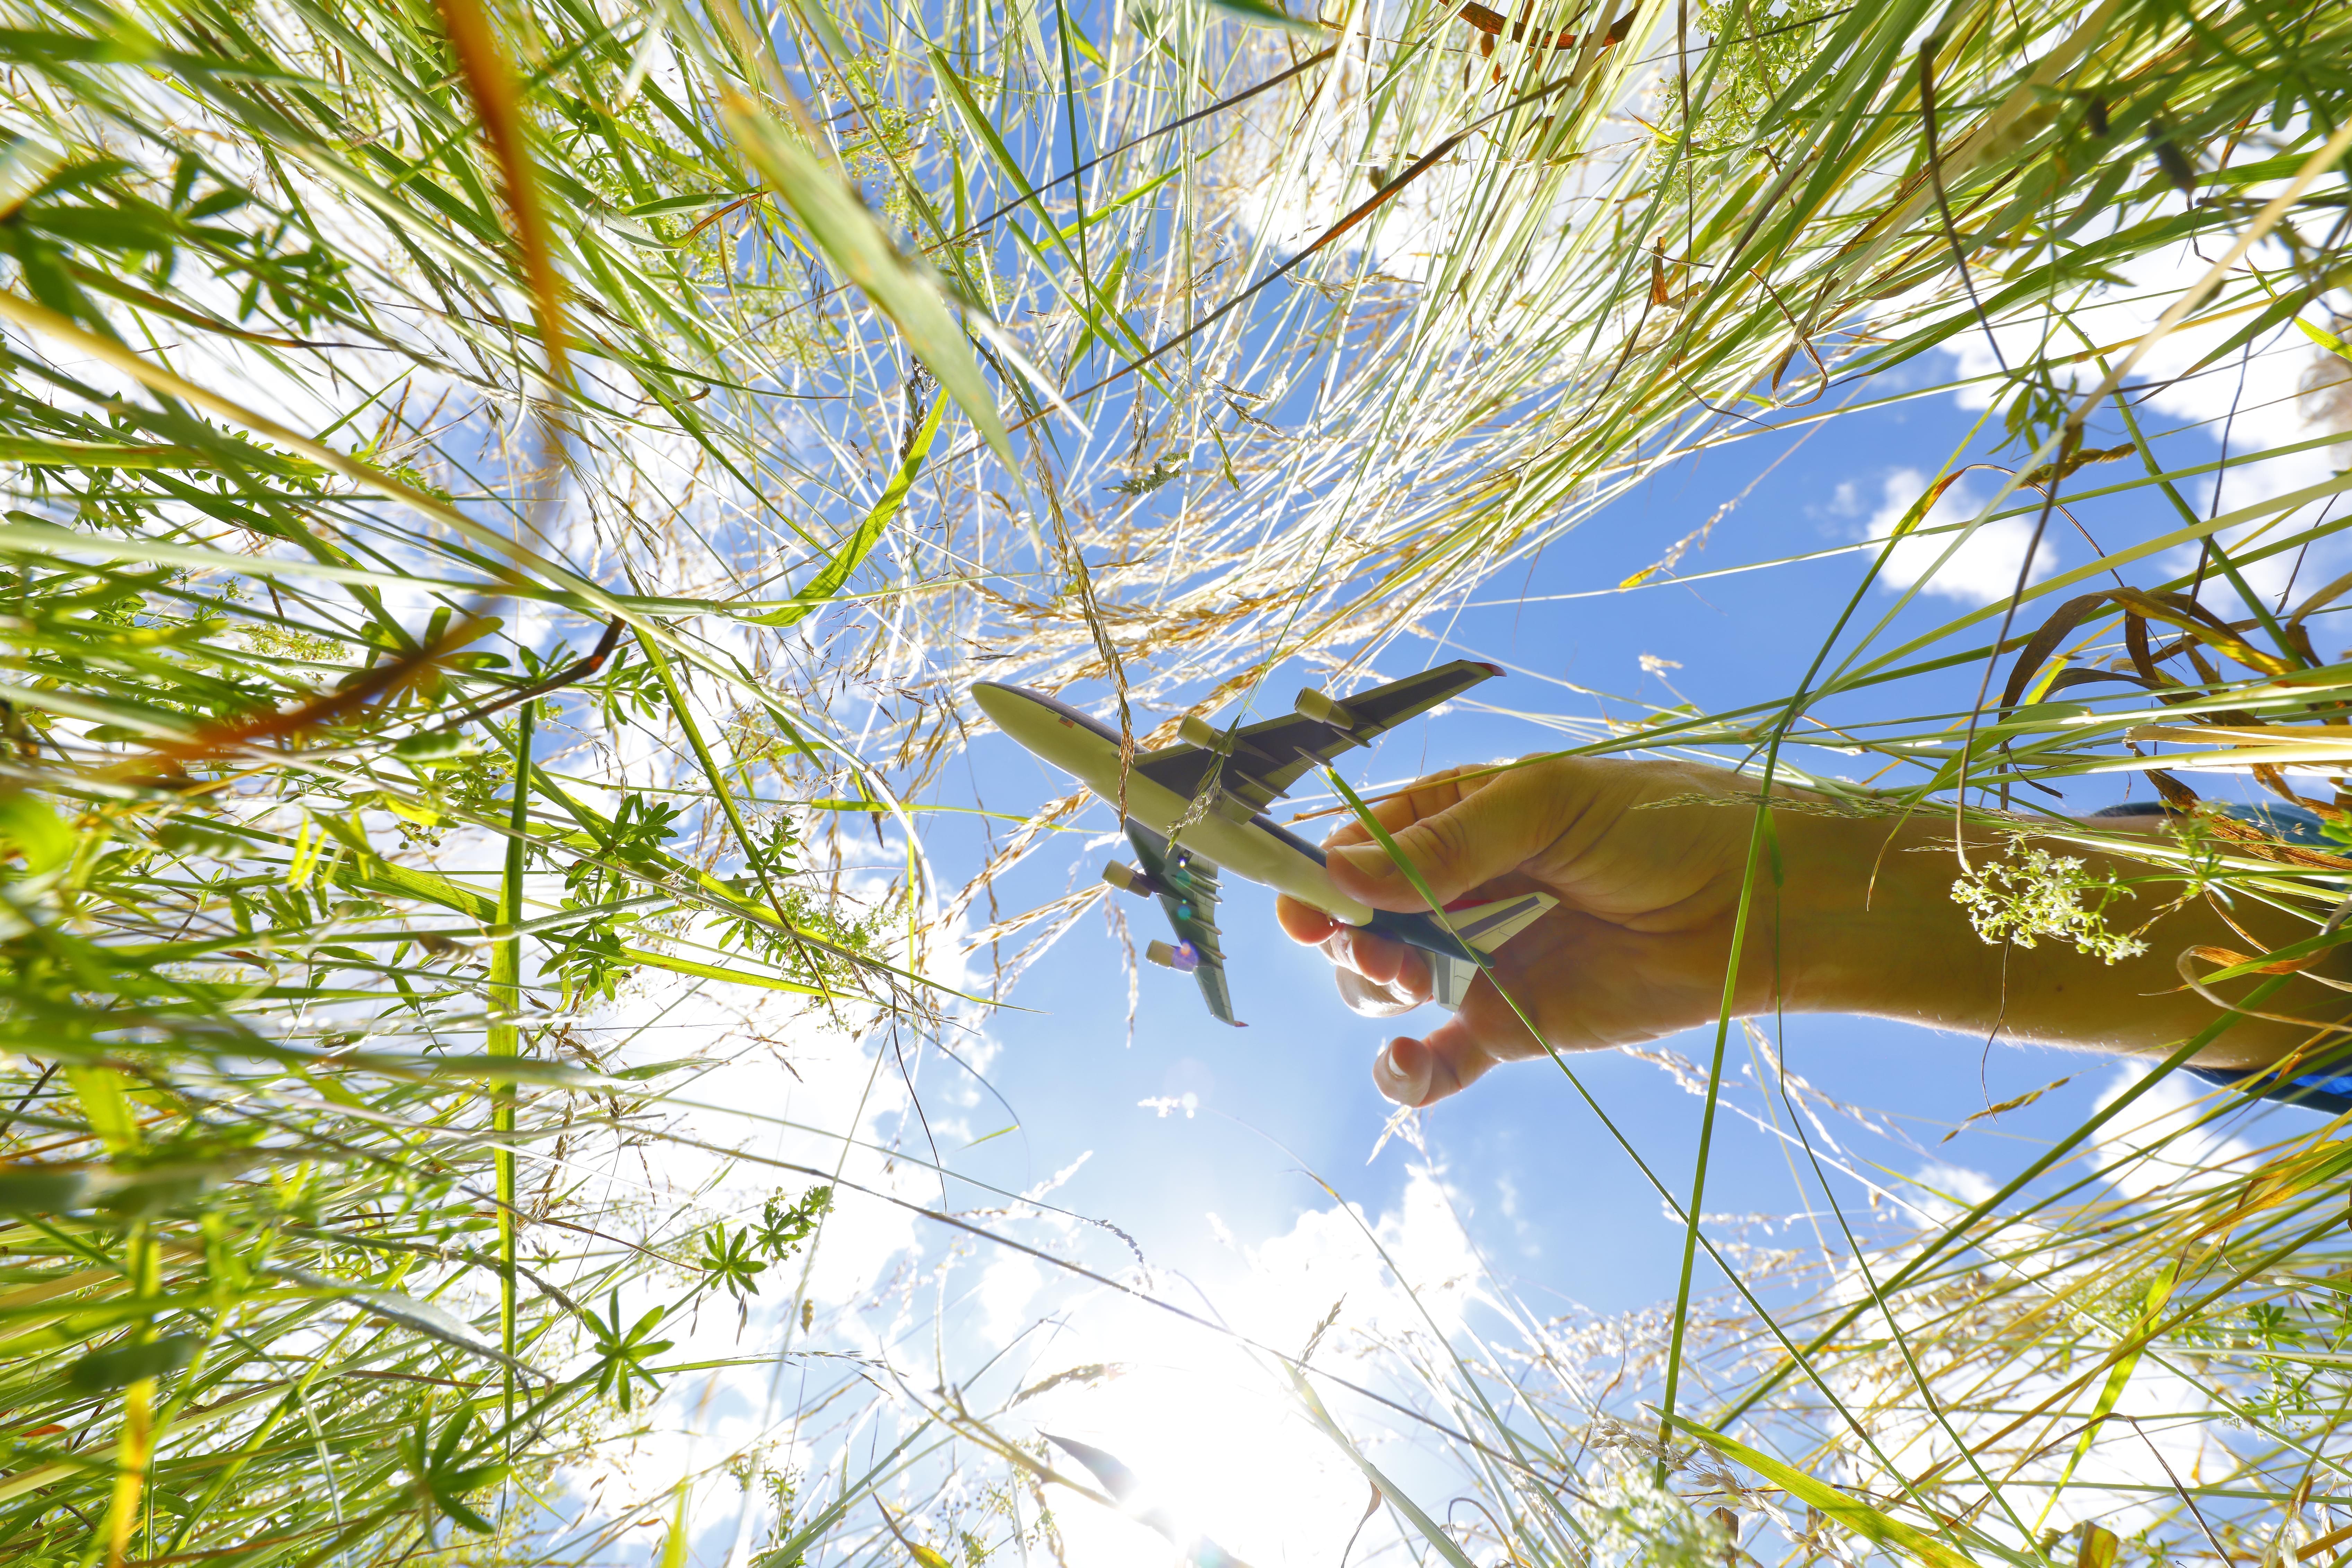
383 681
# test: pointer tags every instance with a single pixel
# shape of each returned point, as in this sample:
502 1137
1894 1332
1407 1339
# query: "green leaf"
2159 1291
908 292
26 166
105 228
125 46
867 534
148 1193
433 746
713 971
123 1365
443 1469
2325 338
181 836
668 204
674 1549
459 1511
1859 1516
30 1189
1080 42
1430 1529
103 1101
655 1070
35 832
1259 13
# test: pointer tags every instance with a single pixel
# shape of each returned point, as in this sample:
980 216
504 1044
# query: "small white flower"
2032 894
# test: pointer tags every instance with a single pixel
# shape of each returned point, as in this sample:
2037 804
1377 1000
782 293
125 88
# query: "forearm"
1873 928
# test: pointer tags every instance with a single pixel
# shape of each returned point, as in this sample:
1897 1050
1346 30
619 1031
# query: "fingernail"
1363 860
1391 1077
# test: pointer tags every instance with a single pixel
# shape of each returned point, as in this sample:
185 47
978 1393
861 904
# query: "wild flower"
2029 894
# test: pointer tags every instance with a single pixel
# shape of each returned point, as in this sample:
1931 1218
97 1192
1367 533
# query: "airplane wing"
1266 758
1187 889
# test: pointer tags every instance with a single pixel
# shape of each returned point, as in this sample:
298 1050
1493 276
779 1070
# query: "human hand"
1648 896
1852 912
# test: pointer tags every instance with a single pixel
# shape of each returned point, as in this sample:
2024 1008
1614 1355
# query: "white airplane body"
1091 757
1232 774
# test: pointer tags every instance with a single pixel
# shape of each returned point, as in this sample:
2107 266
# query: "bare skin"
1863 921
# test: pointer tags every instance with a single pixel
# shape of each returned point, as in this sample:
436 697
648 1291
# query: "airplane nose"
999 701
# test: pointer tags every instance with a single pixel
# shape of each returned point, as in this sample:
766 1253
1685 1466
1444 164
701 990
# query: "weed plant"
504 502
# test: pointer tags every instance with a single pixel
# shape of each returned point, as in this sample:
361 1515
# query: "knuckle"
1444 841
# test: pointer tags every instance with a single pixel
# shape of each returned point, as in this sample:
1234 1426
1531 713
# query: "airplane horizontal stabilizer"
1485 927
1488 926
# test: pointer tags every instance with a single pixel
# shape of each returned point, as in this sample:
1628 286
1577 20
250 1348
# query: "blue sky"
1554 1204
1549 1197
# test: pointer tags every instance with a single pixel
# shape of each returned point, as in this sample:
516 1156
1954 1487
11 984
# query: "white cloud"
1212 1427
2265 388
781 1080
1952 1189
2161 1422
1983 567
2156 1146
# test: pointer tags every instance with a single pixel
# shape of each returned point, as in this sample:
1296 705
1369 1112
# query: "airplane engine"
1325 709
1195 730
1183 957
1127 880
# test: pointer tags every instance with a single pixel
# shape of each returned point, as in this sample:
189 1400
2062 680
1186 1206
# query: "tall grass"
504 501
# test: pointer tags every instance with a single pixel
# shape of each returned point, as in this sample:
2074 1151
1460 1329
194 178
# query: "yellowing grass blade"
1854 1514
651 960
674 1549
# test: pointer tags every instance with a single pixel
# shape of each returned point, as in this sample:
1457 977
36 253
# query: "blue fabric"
2287 824
2327 1092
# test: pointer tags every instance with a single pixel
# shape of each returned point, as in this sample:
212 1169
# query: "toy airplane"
1241 772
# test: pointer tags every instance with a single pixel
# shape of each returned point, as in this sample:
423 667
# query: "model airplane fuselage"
1253 847
1217 783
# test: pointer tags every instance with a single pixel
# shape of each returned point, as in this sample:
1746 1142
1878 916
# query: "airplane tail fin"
1488 928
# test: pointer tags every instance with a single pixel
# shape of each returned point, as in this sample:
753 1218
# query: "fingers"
1444 1061
1457 834
1425 796
1370 999
1378 978
1303 922
1379 959
1372 957
1455 1054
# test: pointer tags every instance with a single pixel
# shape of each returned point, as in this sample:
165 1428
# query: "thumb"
1480 836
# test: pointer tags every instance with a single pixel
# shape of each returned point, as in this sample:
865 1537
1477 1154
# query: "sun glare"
1219 1444
1221 1454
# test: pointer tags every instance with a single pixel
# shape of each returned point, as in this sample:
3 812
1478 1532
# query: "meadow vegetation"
505 498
